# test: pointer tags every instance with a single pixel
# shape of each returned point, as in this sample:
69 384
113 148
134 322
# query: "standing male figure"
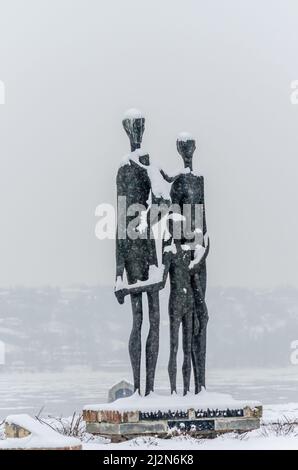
188 192
135 256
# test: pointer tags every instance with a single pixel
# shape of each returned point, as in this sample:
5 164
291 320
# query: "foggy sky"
219 69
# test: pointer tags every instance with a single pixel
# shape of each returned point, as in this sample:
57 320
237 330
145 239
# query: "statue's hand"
119 293
120 296
207 244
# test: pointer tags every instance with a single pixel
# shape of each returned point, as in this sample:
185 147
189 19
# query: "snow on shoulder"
160 188
184 137
133 156
133 113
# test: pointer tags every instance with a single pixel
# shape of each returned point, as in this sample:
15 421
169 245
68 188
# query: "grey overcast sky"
219 69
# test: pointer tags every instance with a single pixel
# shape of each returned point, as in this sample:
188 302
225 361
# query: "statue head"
134 126
186 146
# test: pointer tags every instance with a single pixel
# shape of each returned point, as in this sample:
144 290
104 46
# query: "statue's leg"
199 358
187 331
135 345
203 278
202 354
152 344
195 366
199 340
174 342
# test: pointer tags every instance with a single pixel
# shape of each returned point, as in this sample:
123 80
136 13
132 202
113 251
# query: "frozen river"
62 393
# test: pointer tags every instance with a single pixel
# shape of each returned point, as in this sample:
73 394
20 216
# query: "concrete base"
122 425
25 433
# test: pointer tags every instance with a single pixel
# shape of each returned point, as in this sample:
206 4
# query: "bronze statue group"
183 257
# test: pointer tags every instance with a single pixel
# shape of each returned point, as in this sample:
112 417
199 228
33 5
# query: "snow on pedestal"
175 402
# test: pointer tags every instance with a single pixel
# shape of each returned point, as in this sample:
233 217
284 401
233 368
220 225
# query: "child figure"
177 259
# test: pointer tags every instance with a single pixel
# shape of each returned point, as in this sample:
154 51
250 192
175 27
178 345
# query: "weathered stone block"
236 424
103 428
90 416
132 417
255 412
112 416
107 416
148 427
14 431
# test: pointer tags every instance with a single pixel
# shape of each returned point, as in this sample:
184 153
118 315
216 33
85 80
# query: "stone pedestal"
136 416
23 432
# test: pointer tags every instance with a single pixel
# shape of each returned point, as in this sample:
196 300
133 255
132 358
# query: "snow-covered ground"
228 442
279 430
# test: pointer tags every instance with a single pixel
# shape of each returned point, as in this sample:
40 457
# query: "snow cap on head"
133 113
184 137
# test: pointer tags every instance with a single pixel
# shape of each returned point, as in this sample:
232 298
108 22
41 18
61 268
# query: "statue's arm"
119 258
204 208
202 251
159 203
121 192
167 177
206 241
176 192
200 256
175 207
